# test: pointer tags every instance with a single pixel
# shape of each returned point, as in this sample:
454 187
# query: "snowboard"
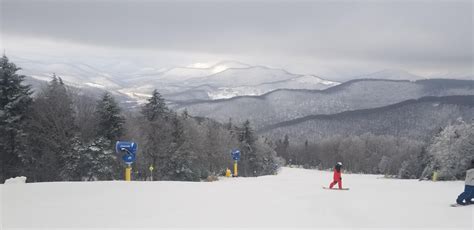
458 205
344 189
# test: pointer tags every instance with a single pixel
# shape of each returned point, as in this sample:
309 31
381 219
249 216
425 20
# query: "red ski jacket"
337 175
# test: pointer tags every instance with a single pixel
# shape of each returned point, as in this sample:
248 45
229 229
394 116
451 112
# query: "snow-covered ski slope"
293 199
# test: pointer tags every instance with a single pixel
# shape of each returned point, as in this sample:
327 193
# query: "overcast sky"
334 38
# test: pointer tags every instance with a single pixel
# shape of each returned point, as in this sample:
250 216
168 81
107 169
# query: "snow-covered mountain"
302 82
283 105
251 81
76 74
250 76
197 81
222 80
180 74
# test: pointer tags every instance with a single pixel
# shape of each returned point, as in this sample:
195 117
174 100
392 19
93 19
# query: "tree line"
59 133
448 153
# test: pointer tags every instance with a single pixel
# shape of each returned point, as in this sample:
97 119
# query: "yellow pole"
235 169
435 176
128 173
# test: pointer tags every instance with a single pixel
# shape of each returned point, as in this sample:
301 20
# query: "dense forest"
60 133
448 153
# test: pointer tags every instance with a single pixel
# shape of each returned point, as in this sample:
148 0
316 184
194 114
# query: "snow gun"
130 150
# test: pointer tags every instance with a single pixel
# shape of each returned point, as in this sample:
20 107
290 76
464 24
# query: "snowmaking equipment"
235 153
129 151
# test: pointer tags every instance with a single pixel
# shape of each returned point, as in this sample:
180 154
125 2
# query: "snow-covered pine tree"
110 121
181 164
177 133
156 136
110 127
155 107
247 141
267 162
71 169
451 151
178 162
14 103
52 134
97 161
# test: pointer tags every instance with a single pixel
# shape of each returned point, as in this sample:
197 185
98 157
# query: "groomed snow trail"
292 199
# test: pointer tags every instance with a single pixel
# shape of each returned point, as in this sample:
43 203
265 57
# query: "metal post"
128 173
235 169
435 176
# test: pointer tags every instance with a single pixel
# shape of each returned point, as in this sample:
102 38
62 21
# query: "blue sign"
235 154
129 148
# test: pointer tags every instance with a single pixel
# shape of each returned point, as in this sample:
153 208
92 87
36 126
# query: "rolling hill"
286 104
418 119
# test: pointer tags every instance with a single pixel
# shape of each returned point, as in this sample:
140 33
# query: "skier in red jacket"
337 176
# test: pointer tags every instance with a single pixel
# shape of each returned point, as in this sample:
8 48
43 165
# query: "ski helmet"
339 163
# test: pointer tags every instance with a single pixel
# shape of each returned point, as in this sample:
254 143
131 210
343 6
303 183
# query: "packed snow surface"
292 199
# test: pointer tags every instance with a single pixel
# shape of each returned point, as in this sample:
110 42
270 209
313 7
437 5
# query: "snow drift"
16 180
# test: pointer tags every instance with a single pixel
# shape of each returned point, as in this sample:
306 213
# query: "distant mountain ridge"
415 118
225 79
229 81
281 105
180 85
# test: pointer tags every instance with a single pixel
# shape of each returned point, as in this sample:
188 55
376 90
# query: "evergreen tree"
257 157
159 136
110 121
178 131
247 135
247 149
155 107
97 161
181 165
175 162
14 103
71 169
110 127
53 133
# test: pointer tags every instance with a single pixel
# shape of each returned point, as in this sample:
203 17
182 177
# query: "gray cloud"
405 34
